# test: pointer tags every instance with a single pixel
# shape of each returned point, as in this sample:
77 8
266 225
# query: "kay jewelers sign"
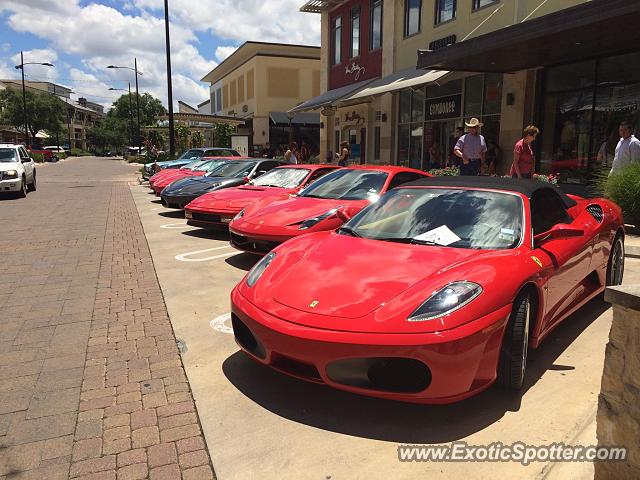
443 107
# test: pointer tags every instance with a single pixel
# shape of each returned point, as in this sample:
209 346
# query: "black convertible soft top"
523 186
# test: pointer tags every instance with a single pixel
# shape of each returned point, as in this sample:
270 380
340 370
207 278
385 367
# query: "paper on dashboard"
440 236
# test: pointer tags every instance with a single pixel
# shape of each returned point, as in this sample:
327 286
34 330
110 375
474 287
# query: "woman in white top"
291 155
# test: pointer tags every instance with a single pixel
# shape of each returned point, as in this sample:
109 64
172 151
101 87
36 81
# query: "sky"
82 37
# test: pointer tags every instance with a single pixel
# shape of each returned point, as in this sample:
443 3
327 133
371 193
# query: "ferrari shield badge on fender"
537 260
314 304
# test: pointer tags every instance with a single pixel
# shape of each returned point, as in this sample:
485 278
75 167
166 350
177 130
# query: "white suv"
17 170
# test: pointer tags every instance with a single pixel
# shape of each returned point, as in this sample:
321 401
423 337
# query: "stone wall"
618 421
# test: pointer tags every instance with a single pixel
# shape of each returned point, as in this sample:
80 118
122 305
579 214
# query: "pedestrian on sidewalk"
291 155
471 148
627 150
343 159
523 157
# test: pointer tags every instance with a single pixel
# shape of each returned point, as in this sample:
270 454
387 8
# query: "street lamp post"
130 111
135 70
172 147
24 93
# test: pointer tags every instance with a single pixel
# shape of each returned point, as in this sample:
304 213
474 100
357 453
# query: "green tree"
104 138
222 134
150 108
46 111
182 134
197 139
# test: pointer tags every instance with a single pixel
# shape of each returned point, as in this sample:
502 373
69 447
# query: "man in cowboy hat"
471 148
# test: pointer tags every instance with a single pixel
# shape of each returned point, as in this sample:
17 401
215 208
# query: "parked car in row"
324 205
188 157
232 174
17 170
434 292
217 209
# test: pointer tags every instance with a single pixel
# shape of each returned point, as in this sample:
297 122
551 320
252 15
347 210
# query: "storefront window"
568 77
473 93
620 69
403 144
417 105
492 94
449 88
405 106
415 146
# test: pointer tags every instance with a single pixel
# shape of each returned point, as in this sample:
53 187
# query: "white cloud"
39 72
223 52
100 35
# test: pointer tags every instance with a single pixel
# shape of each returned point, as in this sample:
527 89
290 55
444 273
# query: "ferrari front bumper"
440 367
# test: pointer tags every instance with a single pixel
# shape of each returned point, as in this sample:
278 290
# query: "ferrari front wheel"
513 356
615 266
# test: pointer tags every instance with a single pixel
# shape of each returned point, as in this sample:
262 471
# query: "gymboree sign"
443 107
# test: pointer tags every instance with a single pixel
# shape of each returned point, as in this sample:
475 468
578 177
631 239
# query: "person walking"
523 157
267 151
291 155
471 149
305 153
343 159
627 150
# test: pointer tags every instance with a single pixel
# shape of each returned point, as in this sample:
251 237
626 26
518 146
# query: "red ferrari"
433 293
324 205
217 209
160 180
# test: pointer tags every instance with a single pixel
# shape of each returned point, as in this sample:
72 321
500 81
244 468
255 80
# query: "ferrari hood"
295 210
237 198
349 277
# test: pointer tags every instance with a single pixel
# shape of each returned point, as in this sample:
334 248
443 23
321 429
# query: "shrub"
445 172
76 152
38 157
624 189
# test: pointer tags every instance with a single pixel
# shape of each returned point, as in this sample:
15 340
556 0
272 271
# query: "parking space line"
175 226
184 257
219 324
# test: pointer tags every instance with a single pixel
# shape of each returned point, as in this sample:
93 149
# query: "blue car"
186 158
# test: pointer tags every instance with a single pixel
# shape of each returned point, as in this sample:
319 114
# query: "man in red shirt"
523 158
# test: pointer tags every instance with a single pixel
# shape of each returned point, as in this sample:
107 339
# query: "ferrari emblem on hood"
314 304
537 260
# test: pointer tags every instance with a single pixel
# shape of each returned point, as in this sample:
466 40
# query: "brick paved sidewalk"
91 381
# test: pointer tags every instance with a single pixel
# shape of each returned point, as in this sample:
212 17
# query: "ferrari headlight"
446 300
258 269
239 215
310 222
10 174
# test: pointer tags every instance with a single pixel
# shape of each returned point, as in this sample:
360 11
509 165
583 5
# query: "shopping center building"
259 83
570 67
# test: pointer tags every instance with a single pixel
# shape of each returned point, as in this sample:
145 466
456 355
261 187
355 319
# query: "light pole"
130 111
172 147
24 93
135 70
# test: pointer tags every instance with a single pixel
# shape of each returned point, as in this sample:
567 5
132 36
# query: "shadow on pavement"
342 412
210 234
243 261
172 213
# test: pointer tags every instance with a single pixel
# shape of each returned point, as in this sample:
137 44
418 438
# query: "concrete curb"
632 251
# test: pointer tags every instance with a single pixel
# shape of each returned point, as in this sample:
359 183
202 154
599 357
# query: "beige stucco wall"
467 24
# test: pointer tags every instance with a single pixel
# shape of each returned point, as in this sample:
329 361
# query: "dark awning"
589 30
281 119
331 96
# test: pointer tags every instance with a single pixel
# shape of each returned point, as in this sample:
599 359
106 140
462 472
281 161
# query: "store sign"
443 107
442 42
355 70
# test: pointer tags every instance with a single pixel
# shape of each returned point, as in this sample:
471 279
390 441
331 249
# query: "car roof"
522 186
385 168
9 145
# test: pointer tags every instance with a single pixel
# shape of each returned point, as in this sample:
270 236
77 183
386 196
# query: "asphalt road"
261 424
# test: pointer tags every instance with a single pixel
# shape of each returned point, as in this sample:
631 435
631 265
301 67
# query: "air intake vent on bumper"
596 212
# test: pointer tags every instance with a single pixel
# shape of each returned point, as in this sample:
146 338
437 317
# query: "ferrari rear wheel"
615 267
513 356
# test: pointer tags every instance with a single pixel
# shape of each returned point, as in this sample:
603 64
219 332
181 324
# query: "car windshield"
282 177
459 218
8 155
193 165
348 184
233 169
192 154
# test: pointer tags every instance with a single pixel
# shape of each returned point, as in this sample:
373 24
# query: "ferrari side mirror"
561 230
343 214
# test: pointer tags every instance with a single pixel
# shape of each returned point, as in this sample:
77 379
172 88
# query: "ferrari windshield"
209 165
233 169
192 165
348 184
8 155
282 177
450 217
